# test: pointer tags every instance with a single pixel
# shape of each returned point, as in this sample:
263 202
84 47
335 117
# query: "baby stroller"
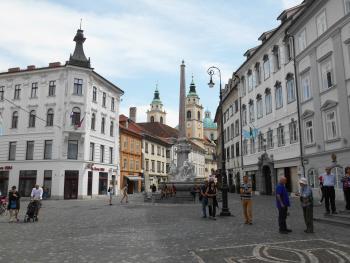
3 204
32 211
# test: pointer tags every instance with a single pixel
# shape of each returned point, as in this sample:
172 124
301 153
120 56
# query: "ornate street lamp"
224 211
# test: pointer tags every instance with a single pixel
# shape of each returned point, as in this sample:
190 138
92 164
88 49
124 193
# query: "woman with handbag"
211 194
13 204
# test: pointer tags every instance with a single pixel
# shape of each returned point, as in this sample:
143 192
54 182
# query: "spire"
78 58
156 98
192 91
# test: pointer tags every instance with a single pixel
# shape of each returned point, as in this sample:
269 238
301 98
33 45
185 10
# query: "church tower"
194 114
156 113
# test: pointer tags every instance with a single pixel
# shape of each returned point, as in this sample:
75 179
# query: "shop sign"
97 169
5 168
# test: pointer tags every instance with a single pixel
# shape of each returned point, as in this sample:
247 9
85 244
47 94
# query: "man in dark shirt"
282 203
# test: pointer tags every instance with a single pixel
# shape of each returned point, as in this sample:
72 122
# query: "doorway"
267 178
102 183
47 184
27 181
71 180
4 182
287 174
89 186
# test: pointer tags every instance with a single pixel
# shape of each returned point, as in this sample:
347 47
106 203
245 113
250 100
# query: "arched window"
276 56
49 117
278 95
161 120
14 124
32 116
199 115
93 121
188 115
266 67
291 96
152 119
75 115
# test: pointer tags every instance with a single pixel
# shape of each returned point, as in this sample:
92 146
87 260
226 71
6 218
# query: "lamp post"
224 211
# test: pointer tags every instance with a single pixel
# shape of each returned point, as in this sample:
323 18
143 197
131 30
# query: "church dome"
208 123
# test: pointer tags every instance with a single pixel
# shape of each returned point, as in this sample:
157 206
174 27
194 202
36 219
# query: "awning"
134 177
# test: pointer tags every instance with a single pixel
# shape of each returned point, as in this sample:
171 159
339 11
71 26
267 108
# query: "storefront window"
102 183
27 180
4 182
47 184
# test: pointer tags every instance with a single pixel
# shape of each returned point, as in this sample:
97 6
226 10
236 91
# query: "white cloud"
290 3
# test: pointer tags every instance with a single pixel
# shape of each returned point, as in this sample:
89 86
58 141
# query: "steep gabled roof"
159 129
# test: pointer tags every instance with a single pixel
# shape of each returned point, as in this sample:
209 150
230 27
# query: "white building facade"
60 129
322 55
270 143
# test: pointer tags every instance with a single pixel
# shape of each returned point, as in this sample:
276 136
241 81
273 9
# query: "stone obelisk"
183 147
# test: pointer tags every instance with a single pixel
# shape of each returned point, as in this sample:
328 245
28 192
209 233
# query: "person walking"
329 182
346 187
13 204
246 198
211 194
36 196
203 198
282 203
110 193
125 194
320 180
306 199
154 190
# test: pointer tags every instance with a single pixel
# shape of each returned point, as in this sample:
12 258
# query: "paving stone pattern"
92 231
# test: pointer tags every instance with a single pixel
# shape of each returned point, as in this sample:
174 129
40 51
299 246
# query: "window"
244 115
163 152
103 122
78 87
280 136
30 150
162 167
14 123
260 142
259 106
152 149
252 145
199 115
146 147
111 129
34 92
245 147
152 119
268 102
147 165
269 139
32 116
102 153
276 58
2 92
227 153
17 92
279 96
104 97
347 6
158 167
131 164
110 155
188 115
228 134
309 132
266 67
236 105
137 165
250 81
321 23
244 89
312 178
112 104
158 151
237 149
125 164
236 127
302 40
12 151
92 151
94 94
331 125
305 85
75 116
327 73
93 121
52 88
257 73
48 150
339 174
73 149
232 151
288 50
251 112
49 117
290 89
293 131
232 131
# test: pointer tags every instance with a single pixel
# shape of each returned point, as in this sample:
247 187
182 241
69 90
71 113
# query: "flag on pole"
81 121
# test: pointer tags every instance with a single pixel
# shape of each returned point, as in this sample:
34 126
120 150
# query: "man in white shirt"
329 182
37 195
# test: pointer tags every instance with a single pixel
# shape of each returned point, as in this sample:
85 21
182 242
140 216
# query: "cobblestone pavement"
92 231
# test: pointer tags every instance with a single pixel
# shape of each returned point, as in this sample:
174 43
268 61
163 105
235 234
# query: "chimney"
132 113
31 67
54 64
17 69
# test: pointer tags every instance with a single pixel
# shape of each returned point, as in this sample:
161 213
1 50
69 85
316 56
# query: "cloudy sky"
140 42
